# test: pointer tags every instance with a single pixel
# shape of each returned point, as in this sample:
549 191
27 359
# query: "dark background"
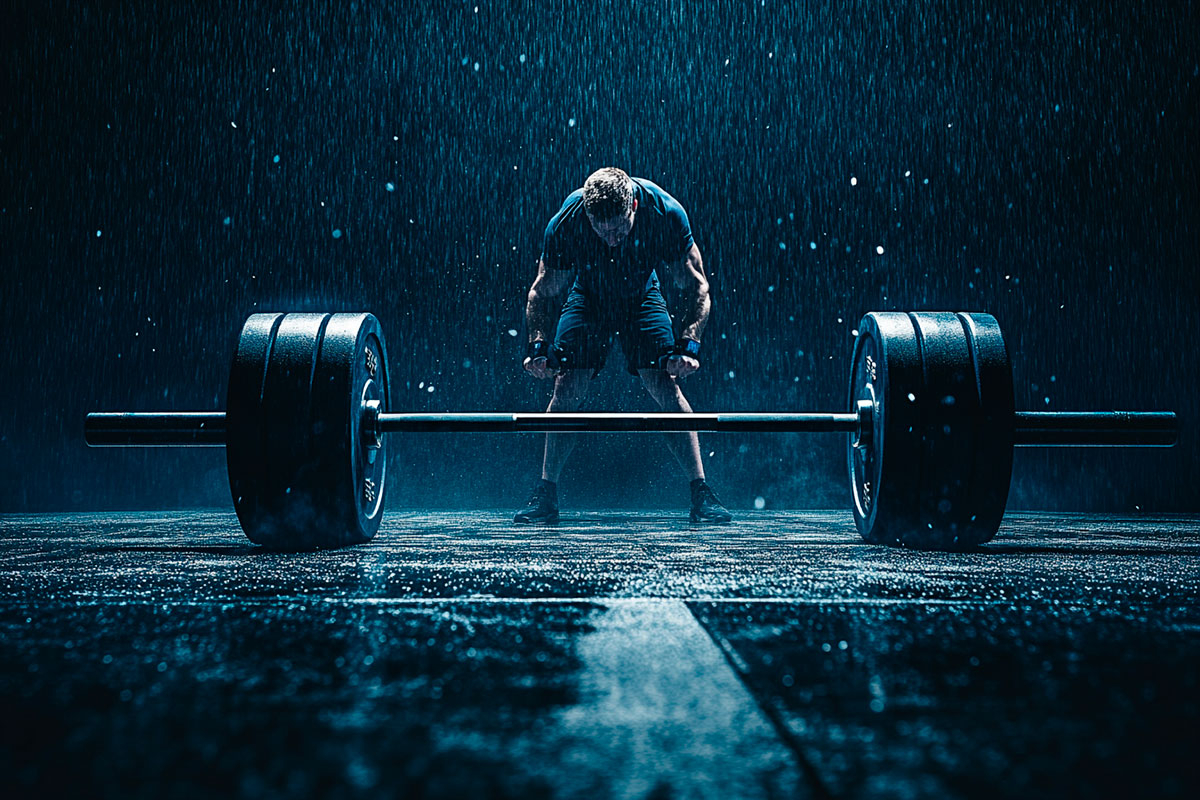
1039 164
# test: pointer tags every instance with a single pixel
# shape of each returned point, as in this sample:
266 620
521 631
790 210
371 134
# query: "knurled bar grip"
1032 428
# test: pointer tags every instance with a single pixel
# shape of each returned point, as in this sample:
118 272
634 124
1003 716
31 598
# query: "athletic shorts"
588 325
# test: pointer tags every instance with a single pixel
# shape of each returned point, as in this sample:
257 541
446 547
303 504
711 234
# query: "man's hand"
678 366
541 359
540 367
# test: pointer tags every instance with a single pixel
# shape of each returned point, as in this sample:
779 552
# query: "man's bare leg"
684 446
570 390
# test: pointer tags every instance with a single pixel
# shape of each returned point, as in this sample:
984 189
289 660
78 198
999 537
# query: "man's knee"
570 387
661 386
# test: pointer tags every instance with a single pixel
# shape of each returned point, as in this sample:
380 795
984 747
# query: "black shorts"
588 324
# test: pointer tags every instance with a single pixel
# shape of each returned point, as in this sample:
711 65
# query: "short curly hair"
608 194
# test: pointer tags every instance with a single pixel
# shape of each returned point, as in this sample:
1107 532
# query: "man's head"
610 205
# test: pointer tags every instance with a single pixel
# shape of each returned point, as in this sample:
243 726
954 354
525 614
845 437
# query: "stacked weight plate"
301 471
935 469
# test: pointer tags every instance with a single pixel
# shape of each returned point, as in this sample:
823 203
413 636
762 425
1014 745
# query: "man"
610 237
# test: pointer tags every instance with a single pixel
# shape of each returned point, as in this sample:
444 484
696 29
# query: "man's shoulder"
656 199
569 213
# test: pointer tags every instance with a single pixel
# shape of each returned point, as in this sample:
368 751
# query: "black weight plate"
351 369
304 476
883 471
243 414
991 468
949 421
293 506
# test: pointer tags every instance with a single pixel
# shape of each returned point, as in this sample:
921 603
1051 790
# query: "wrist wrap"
543 349
683 347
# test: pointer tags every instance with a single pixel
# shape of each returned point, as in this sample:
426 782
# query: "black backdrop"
170 168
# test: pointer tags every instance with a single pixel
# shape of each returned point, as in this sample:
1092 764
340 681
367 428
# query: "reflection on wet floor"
620 655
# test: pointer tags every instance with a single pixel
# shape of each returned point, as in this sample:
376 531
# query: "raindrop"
760 503
512 331
337 233
391 187
853 181
97 234
228 220
812 245
782 246
571 122
275 159
879 249
522 58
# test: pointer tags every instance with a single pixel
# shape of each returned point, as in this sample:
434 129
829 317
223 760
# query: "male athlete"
605 244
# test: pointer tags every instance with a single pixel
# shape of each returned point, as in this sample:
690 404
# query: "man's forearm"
695 315
538 312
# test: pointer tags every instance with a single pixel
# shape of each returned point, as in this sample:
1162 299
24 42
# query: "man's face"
613 231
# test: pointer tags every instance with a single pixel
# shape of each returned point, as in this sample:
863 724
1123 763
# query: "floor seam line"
734 661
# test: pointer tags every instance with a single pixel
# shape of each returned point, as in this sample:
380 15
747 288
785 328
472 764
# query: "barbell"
930 428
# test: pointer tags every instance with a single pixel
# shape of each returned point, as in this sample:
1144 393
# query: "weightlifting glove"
543 349
683 347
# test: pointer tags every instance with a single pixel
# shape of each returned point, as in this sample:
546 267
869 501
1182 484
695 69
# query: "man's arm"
689 276
543 300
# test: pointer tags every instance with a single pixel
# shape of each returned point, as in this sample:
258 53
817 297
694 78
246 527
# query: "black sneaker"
705 505
542 507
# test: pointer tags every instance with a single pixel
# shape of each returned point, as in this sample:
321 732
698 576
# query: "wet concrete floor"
620 655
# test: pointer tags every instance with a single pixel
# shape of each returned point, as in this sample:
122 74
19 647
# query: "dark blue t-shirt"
660 233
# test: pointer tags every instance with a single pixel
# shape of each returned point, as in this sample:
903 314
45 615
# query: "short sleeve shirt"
660 233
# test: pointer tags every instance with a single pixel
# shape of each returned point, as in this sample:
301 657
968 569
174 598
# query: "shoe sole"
527 521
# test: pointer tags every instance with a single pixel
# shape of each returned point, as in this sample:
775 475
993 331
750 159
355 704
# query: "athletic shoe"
705 505
542 507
